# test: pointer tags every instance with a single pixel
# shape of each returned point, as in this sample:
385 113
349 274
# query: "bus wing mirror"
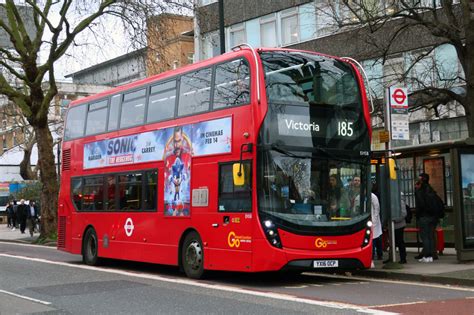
238 171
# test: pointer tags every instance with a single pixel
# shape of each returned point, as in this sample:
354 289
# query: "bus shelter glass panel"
467 188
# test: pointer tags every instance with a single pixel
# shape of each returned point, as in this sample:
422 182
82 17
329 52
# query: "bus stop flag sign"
398 103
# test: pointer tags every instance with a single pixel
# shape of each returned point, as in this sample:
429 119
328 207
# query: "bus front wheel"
192 256
90 248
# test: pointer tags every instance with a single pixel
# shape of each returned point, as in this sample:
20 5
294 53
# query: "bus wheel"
192 256
90 248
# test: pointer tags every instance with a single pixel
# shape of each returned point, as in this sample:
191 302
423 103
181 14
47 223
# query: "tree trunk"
50 186
25 165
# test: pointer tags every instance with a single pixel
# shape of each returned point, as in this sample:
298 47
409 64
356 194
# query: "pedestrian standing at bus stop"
425 218
400 224
376 228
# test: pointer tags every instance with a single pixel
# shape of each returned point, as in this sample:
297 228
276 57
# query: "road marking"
420 284
25 297
226 288
400 304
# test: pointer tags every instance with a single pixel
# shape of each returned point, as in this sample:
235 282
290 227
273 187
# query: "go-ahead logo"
234 240
321 243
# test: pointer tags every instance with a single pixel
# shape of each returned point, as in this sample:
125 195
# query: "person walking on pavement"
425 217
32 216
376 228
399 229
14 215
22 213
9 210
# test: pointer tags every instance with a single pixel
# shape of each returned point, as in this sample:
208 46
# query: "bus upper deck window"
232 84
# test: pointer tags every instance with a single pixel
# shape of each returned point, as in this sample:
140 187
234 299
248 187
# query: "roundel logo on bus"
234 240
129 227
321 243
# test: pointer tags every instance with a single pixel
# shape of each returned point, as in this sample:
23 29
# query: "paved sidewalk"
446 270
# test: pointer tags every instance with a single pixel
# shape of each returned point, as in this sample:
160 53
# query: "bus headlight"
271 233
368 233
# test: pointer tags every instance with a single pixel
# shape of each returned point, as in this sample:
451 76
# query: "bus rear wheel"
90 248
192 256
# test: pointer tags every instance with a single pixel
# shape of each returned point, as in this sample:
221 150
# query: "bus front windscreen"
314 144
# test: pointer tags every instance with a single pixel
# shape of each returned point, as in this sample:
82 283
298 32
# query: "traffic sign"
398 97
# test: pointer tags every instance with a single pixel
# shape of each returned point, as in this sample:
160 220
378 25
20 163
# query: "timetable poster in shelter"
177 160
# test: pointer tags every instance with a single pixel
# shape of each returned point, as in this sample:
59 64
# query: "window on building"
289 26
235 198
162 101
268 31
206 2
307 18
374 70
232 84
194 92
421 70
133 109
393 70
114 112
447 65
211 45
236 35
75 122
96 117
325 18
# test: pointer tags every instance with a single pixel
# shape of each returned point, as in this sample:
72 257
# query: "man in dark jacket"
32 216
22 213
425 217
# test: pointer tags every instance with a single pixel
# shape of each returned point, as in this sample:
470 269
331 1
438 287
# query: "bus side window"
96 117
162 101
150 190
114 112
93 194
195 92
234 198
111 189
76 119
133 109
130 191
232 84
76 192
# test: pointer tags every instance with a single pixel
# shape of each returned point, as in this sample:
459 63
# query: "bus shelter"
450 165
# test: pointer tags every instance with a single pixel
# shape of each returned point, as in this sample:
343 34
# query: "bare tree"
32 57
385 25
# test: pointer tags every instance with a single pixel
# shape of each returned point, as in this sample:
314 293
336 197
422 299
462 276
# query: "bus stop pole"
388 153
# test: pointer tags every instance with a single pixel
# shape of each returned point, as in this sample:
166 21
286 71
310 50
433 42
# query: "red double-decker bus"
250 161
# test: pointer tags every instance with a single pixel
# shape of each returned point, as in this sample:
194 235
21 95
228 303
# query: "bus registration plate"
325 263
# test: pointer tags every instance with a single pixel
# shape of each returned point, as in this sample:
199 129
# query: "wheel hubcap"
194 255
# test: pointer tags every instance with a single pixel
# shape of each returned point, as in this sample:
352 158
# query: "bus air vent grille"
67 160
62 231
